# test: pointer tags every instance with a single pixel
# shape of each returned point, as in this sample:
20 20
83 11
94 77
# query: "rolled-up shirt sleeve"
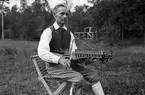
44 48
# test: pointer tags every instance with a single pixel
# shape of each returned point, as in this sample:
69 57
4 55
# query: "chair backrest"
40 65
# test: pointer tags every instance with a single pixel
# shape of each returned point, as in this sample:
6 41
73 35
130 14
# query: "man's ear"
53 14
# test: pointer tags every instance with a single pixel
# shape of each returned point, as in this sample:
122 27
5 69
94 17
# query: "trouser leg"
91 76
77 75
66 74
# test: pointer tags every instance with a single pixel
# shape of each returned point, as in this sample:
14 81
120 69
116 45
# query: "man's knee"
79 78
94 77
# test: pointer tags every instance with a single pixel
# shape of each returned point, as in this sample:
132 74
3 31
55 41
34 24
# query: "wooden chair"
44 77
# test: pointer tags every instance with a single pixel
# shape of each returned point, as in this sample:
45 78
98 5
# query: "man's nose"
65 16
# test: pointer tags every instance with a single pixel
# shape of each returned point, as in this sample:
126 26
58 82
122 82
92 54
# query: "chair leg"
57 91
46 86
60 88
71 89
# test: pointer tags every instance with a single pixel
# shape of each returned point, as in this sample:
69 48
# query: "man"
58 38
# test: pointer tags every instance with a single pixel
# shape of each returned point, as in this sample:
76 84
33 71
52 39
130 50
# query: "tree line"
113 20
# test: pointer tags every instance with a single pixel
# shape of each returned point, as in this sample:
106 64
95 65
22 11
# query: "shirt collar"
56 26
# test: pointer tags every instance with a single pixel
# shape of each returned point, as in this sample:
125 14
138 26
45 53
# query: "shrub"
109 34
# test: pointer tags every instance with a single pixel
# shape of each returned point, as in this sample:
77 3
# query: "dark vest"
60 40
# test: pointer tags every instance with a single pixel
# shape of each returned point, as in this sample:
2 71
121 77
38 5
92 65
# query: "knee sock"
97 89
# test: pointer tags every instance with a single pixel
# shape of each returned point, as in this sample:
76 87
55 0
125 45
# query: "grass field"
124 75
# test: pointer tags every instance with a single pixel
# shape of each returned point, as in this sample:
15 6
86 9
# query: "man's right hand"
64 62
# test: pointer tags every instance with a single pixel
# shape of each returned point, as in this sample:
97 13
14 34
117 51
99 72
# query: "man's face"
61 15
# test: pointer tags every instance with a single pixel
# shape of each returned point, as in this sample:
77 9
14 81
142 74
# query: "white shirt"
44 48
